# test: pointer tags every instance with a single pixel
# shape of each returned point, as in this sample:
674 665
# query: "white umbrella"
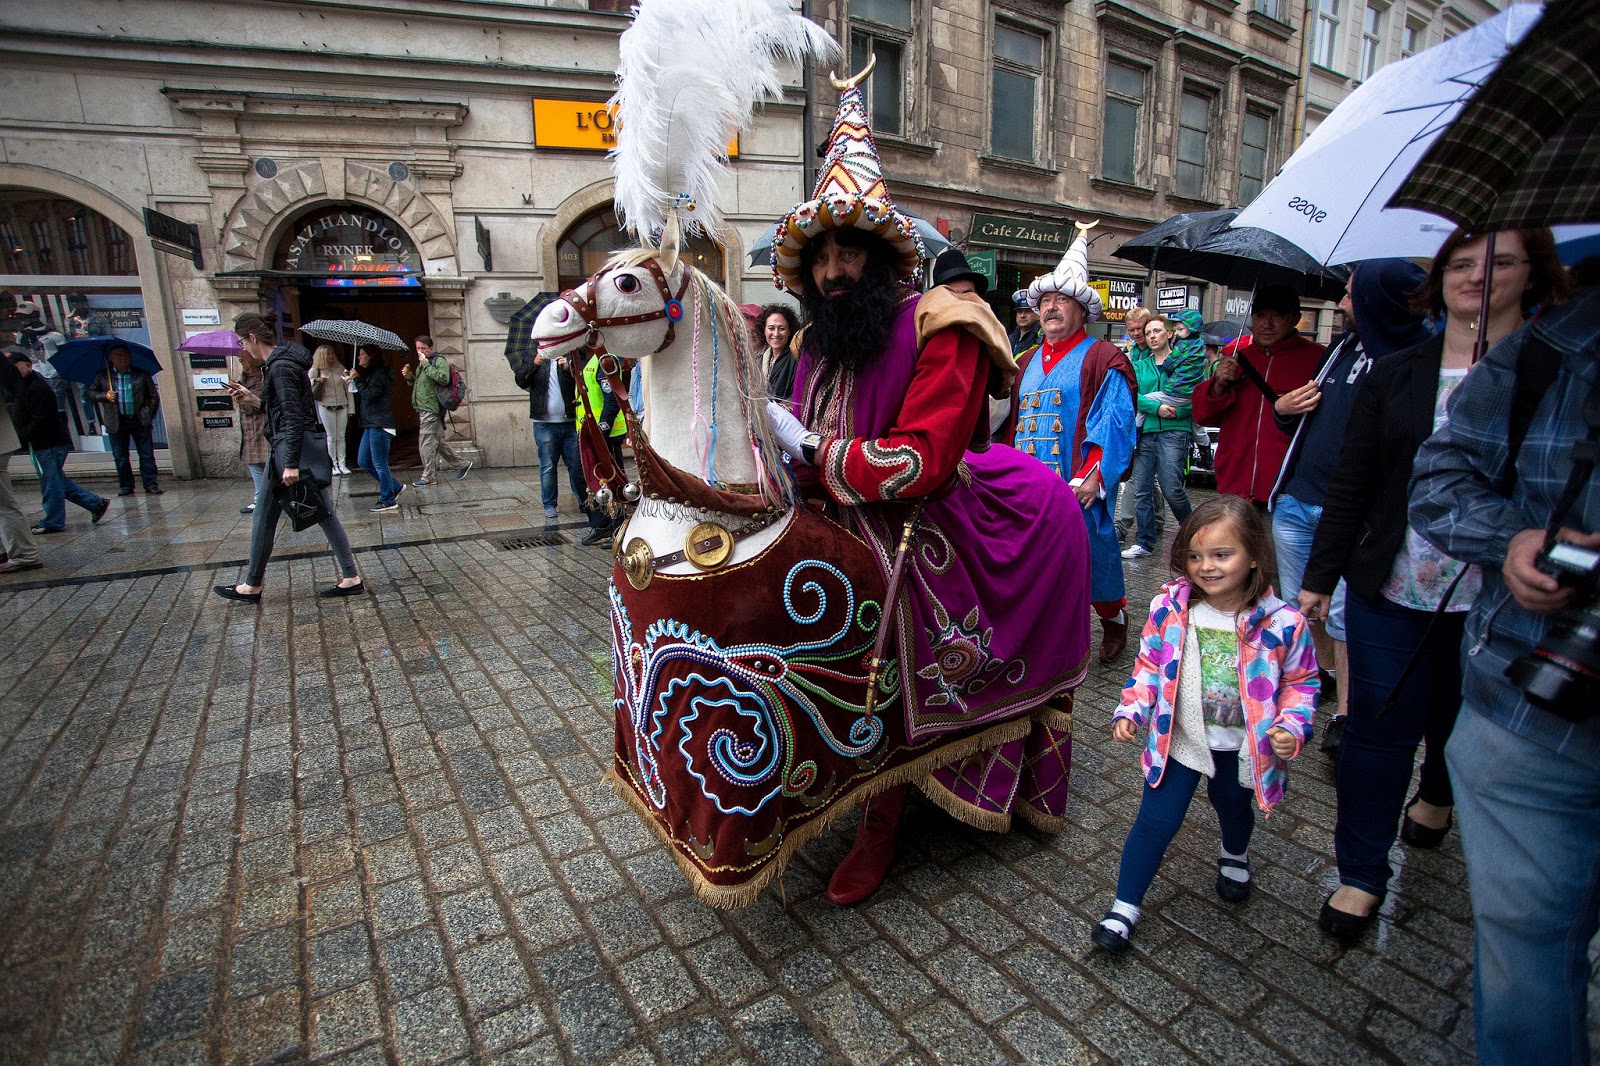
1329 197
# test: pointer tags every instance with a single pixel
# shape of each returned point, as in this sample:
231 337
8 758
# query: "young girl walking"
1226 679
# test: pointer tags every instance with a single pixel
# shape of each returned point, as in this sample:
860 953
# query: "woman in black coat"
1396 580
371 382
290 412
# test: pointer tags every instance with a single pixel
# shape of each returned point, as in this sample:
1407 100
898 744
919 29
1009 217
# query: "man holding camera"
1510 485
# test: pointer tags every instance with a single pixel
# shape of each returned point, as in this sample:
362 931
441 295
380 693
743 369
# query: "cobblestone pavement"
375 830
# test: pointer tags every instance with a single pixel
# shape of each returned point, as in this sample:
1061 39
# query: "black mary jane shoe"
1230 890
1112 941
1344 926
1423 836
229 592
344 590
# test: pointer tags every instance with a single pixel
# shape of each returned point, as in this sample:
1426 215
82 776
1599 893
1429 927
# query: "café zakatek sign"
1025 234
350 241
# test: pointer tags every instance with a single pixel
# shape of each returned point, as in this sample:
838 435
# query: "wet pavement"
375 830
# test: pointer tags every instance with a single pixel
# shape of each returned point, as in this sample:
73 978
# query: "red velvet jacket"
1251 447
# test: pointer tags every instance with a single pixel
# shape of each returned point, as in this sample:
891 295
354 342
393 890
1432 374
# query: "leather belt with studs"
708 546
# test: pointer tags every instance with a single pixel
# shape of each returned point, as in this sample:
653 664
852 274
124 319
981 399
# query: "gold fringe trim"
732 897
1047 823
962 811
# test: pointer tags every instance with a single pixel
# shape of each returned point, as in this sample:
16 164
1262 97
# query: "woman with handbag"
298 451
332 396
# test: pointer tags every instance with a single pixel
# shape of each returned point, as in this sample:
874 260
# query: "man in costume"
1075 414
891 394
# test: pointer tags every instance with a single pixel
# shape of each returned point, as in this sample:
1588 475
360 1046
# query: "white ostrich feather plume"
690 76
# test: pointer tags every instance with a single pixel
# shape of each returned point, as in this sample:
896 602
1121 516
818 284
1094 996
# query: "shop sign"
350 241
1004 231
1237 305
178 235
1118 296
1172 297
123 317
208 362
214 403
218 422
201 316
210 380
987 264
587 125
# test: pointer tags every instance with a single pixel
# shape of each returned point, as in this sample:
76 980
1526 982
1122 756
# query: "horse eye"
627 283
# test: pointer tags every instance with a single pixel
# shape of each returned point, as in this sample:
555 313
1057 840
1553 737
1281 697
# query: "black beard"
852 328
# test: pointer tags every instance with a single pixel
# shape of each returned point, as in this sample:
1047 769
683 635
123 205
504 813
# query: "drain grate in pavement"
531 540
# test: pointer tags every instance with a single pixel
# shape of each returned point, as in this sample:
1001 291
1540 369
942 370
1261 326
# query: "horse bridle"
584 300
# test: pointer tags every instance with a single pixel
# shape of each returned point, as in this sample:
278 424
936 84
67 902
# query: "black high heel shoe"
1423 836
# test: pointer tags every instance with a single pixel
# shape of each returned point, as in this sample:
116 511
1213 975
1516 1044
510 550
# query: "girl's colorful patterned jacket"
1277 683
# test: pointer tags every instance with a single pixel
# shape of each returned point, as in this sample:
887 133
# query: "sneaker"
383 508
124 492
1138 551
154 490
248 509
465 471
423 483
550 515
99 512
12 566
398 491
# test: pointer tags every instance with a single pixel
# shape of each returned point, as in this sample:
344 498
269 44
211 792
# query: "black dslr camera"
1562 673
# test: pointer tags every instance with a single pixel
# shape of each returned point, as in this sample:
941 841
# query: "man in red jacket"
1239 396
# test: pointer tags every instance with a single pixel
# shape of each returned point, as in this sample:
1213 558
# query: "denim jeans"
55 488
264 530
144 443
1530 833
558 442
258 473
1159 455
1379 750
1294 527
1160 816
373 457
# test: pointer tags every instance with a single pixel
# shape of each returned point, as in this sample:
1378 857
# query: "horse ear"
669 243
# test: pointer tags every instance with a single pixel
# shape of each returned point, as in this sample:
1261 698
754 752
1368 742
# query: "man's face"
1061 316
1027 318
121 360
1136 331
1271 327
424 349
837 266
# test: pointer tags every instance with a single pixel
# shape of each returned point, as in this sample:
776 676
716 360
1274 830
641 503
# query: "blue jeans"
1378 751
144 443
558 441
1159 454
1161 814
1530 832
258 471
373 457
55 488
1294 527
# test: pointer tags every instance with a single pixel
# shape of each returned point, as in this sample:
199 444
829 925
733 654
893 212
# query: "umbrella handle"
1480 346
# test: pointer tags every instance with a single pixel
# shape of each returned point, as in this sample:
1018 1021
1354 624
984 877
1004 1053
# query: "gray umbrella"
934 241
352 331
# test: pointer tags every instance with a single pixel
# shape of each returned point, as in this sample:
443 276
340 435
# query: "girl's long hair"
1241 515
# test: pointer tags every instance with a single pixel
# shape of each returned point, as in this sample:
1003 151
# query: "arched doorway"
583 249
344 261
67 271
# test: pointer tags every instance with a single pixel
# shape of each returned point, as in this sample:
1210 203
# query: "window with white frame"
1371 41
1194 142
1124 106
1324 46
1018 74
1256 135
882 28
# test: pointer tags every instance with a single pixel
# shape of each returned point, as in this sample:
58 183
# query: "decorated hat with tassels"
1071 275
850 194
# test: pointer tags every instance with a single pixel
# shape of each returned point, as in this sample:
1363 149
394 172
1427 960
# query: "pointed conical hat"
850 193
1071 277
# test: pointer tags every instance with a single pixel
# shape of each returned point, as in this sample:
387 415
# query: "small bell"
1057 426
1055 448
1032 426
602 497
630 491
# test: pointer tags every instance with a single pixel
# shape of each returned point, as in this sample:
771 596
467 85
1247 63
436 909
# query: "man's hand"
1536 590
1088 490
291 475
1166 410
1283 745
790 431
1227 371
1123 730
1314 605
1301 401
405 371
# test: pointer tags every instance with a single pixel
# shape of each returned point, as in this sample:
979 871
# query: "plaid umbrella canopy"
520 346
1525 151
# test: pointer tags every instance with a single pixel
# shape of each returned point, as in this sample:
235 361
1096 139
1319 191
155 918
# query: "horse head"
631 308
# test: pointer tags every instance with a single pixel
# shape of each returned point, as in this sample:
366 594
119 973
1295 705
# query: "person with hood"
1167 371
1315 416
289 411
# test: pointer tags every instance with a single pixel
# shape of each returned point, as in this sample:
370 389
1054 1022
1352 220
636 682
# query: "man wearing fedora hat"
952 270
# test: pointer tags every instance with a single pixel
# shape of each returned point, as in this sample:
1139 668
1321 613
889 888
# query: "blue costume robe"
1047 419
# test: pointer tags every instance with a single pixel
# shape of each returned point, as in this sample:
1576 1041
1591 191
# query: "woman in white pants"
328 388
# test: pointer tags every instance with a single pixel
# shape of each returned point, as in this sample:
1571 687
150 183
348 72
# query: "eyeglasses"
1459 267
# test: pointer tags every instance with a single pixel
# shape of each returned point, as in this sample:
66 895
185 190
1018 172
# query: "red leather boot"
862 871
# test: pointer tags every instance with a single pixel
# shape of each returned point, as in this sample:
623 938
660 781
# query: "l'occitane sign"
584 124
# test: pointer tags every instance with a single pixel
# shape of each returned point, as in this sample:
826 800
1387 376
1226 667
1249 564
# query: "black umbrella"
1203 246
520 345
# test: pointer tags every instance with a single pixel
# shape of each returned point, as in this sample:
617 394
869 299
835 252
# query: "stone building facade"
1003 122
425 166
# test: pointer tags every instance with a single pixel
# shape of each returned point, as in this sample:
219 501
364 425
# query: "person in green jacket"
432 372
1133 323
594 394
1166 378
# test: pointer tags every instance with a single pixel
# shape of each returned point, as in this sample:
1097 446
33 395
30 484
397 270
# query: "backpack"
451 395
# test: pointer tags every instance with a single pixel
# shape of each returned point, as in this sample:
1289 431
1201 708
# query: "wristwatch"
808 447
